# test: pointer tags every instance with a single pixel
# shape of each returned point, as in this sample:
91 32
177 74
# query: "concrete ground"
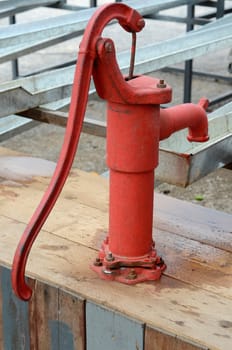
214 190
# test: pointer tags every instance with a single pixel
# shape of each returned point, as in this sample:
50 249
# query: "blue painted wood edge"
107 329
15 316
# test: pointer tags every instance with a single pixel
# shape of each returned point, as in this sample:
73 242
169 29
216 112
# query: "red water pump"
135 125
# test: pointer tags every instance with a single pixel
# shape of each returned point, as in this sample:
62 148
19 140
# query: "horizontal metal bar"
149 6
12 125
212 76
188 46
15 35
220 98
189 162
90 126
21 39
184 169
209 4
185 165
220 124
226 109
198 21
49 69
44 88
9 8
18 99
46 116
69 7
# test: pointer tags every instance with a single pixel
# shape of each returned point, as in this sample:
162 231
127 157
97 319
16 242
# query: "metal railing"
24 94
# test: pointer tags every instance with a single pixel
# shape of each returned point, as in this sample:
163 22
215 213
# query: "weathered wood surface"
57 319
189 308
107 330
14 312
52 320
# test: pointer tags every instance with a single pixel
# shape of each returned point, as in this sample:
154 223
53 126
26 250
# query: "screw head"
97 262
132 275
161 84
108 46
109 257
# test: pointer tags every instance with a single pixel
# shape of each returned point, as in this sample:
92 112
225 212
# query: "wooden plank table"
190 307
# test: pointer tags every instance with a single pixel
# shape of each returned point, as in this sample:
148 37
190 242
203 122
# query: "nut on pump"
135 125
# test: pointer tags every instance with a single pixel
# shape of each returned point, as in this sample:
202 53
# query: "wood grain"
170 304
72 319
157 339
57 319
43 314
14 316
110 330
190 307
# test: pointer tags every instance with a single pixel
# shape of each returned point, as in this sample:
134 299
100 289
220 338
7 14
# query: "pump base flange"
128 275
128 270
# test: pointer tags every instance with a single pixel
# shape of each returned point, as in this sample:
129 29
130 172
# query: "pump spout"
188 115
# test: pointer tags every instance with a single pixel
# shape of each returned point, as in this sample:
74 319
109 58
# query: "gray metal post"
14 63
220 8
189 64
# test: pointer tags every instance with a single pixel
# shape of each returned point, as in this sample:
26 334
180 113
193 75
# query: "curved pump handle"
131 21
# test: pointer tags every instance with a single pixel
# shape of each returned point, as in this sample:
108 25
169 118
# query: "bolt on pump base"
135 125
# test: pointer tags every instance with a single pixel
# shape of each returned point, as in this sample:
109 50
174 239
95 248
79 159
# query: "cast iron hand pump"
135 124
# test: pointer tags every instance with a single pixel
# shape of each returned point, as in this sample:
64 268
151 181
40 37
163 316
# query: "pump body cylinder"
132 155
